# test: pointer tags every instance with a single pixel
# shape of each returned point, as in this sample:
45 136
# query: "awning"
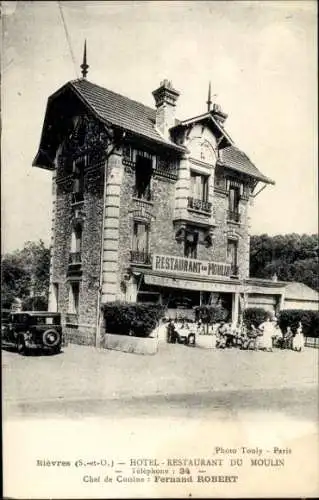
187 284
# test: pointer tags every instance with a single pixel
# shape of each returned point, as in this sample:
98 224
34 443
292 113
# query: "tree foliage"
211 313
292 257
25 274
255 316
308 319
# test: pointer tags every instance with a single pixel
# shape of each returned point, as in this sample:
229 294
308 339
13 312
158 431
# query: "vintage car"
32 330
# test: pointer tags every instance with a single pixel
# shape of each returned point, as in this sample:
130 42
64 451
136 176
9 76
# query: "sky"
260 57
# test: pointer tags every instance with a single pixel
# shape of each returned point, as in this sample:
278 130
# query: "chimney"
218 114
165 100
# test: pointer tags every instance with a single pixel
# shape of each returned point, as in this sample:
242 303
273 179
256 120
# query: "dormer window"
143 177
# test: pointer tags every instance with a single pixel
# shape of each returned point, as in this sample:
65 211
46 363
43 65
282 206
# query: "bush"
138 319
255 315
211 314
309 320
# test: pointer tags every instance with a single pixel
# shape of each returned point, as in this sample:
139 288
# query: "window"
140 244
78 179
199 186
233 206
74 294
143 176
76 245
234 197
190 244
76 239
43 320
140 237
232 249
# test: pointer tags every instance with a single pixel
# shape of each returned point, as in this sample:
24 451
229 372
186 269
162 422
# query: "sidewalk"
88 373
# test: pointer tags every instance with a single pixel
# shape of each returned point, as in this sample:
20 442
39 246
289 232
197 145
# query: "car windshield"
45 320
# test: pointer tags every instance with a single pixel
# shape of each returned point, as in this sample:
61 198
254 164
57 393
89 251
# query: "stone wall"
79 329
160 215
115 236
230 230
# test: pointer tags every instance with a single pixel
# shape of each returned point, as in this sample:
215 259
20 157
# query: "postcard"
159 249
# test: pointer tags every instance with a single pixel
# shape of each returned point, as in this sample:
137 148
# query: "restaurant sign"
177 265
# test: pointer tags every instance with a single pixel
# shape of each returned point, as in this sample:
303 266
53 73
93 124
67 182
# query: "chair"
191 339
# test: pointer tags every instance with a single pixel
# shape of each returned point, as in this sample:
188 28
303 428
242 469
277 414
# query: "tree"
291 257
25 274
14 281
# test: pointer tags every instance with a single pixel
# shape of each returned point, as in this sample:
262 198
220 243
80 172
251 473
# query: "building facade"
301 296
146 207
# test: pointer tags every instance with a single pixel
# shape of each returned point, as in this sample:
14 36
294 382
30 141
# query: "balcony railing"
141 258
75 258
234 270
200 205
233 216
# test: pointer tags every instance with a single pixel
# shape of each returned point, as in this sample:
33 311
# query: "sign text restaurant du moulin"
171 264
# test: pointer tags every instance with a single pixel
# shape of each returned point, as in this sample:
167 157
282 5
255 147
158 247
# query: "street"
88 405
296 403
178 381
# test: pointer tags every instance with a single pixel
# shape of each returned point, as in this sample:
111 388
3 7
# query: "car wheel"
21 345
52 339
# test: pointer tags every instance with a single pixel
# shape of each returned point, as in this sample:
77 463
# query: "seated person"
230 335
220 341
222 335
199 326
249 337
287 338
278 336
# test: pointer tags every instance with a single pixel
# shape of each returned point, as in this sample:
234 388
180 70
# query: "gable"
202 144
110 108
59 122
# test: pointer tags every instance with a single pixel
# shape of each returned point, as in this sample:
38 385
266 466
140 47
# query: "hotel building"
146 207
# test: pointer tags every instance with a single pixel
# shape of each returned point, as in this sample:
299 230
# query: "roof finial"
84 66
209 100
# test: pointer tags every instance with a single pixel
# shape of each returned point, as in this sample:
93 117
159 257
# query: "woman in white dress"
298 341
267 329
